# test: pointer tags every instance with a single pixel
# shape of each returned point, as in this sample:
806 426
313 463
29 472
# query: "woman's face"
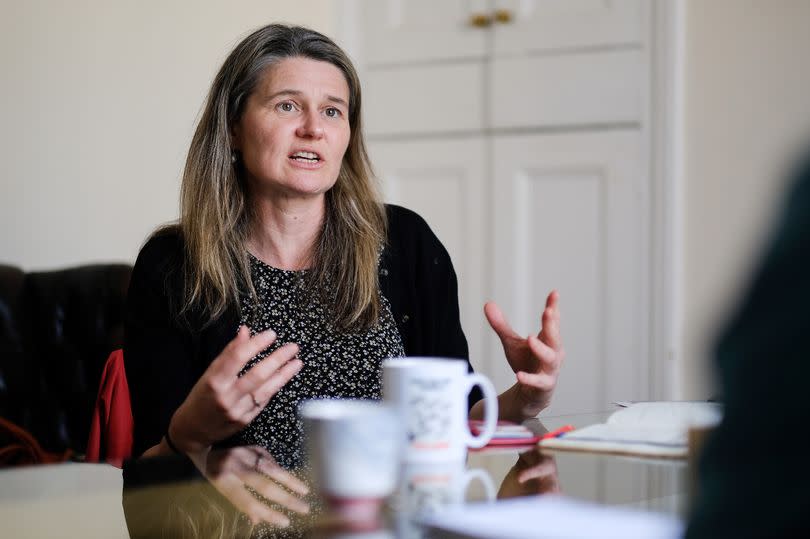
295 129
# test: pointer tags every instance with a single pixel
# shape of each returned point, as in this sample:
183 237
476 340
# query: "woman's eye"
286 107
332 112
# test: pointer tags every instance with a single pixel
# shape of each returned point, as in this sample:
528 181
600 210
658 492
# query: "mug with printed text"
429 395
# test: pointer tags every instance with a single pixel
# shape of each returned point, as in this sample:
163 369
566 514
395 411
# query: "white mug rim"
341 409
403 363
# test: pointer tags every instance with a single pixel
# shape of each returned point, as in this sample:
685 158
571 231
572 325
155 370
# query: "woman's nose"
311 126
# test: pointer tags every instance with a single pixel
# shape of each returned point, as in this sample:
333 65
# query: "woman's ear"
236 137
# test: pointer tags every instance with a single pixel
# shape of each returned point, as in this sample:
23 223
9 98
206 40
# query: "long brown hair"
215 211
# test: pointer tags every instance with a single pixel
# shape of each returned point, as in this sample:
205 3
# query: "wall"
99 102
747 104
100 98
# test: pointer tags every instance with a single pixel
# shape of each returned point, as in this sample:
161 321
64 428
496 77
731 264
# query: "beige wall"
99 100
747 101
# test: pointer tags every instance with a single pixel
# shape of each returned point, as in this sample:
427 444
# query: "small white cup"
353 448
430 397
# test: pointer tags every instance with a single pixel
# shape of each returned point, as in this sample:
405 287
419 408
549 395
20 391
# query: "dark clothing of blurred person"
754 473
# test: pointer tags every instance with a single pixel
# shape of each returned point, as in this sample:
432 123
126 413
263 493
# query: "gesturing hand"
238 471
221 403
535 360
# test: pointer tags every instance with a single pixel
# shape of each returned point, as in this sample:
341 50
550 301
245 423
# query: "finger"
553 299
543 469
550 322
276 472
258 343
242 349
268 367
251 403
272 385
256 510
541 382
548 358
260 459
498 321
270 490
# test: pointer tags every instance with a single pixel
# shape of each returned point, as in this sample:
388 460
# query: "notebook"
656 429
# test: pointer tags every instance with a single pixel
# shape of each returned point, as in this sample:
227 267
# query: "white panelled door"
571 213
554 25
576 89
521 136
405 31
443 181
424 99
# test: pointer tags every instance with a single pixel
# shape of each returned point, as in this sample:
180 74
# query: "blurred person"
752 475
286 278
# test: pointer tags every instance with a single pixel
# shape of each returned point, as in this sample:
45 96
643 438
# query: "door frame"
666 158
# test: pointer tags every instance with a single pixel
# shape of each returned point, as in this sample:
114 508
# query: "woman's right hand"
222 403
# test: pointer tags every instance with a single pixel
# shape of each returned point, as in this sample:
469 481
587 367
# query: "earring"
233 157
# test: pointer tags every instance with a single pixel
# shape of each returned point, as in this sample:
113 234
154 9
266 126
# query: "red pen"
558 432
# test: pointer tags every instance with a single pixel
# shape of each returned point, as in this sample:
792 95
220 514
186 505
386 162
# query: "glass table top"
171 497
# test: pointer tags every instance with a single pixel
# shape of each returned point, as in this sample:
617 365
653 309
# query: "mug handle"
486 480
490 410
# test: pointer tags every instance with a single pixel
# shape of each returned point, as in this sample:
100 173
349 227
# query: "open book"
659 429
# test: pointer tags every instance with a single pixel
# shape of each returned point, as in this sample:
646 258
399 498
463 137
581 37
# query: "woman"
281 231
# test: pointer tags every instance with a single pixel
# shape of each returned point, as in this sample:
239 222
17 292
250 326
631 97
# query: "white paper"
558 517
648 428
678 415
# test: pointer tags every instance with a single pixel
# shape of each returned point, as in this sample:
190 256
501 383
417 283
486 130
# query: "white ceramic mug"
430 396
353 448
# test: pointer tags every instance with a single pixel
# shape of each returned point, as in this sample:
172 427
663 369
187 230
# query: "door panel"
571 214
424 99
405 31
581 89
548 25
443 181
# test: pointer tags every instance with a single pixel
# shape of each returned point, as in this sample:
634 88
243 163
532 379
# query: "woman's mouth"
305 157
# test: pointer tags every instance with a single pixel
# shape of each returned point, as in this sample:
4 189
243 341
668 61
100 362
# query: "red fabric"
111 430
19 448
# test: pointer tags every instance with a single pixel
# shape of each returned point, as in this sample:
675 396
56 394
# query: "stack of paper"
659 429
506 433
558 517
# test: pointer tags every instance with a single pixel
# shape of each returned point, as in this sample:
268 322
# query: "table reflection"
242 492
534 473
236 492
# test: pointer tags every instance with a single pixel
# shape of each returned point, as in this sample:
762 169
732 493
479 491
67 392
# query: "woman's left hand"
533 473
536 360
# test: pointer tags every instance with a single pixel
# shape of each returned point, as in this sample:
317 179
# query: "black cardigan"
164 356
